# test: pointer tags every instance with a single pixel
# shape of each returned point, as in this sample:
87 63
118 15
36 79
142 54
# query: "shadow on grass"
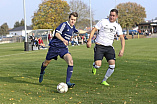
13 80
21 80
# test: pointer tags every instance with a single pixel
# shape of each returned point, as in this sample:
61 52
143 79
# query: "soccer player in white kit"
106 28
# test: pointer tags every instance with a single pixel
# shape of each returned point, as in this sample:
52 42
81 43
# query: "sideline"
7 48
17 54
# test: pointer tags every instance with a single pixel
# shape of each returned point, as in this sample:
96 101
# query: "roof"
147 23
21 28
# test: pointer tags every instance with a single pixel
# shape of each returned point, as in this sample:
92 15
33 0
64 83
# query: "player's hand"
121 53
88 44
66 42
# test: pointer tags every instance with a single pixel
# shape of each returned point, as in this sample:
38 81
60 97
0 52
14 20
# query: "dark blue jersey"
66 31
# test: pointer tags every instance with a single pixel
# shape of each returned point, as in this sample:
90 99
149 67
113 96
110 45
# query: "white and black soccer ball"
62 87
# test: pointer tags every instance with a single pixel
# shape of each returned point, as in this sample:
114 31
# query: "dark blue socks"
69 73
42 68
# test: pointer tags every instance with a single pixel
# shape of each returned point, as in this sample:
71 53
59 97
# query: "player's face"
113 17
72 20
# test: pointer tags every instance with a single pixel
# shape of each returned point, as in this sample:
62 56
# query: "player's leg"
43 67
110 57
98 56
51 54
68 58
109 72
96 65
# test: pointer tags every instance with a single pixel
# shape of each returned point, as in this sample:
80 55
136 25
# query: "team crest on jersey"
111 30
68 30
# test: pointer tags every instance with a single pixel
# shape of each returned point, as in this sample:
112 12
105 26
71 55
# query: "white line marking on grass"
6 47
16 54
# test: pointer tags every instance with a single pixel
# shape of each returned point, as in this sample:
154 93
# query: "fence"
4 39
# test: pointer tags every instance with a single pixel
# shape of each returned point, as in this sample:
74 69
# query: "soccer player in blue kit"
58 46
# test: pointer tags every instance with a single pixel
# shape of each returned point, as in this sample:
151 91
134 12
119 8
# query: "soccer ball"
62 87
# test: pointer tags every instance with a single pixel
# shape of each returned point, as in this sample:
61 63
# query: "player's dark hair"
74 14
114 10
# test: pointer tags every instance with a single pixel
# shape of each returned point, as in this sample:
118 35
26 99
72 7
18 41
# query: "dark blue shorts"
53 52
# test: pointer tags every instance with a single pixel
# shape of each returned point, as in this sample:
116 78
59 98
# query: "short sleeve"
119 30
61 27
98 25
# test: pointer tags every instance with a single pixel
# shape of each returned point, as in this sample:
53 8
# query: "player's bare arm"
82 31
122 45
90 37
61 38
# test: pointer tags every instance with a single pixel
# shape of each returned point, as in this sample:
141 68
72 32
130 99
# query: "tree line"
4 27
51 13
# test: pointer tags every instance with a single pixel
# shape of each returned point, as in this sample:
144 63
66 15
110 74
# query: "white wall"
15 33
23 32
18 33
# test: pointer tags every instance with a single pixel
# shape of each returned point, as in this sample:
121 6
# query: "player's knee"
112 66
46 63
97 67
71 63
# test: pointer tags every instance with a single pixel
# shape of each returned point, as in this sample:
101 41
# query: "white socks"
108 74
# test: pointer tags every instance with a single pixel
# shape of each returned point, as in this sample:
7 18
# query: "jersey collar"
69 24
111 22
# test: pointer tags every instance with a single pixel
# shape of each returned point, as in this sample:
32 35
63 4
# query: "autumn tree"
83 11
4 29
50 14
17 23
130 14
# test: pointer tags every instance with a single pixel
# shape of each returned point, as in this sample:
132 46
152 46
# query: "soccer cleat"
105 83
93 70
41 77
70 85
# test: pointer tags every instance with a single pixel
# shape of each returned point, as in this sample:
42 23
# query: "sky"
12 10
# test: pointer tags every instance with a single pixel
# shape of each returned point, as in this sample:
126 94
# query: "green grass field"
133 82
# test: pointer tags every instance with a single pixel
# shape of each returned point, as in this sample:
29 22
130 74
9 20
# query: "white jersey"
107 30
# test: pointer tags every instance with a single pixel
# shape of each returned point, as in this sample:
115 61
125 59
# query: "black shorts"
101 51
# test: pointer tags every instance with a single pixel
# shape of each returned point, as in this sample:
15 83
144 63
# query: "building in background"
148 26
20 31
